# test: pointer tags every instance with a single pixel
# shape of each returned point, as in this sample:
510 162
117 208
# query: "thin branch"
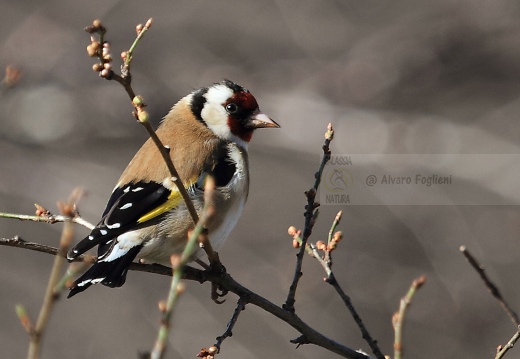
36 335
398 317
18 242
178 268
49 218
492 288
241 305
502 350
310 214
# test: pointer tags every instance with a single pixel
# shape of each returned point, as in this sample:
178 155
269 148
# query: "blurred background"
399 77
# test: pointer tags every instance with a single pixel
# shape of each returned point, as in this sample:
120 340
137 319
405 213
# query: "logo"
337 179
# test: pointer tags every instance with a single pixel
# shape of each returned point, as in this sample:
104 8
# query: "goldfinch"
207 132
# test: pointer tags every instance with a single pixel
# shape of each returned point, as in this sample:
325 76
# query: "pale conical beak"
261 120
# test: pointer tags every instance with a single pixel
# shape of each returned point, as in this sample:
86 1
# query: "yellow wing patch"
173 201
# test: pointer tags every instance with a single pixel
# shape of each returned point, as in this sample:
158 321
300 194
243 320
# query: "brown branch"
492 288
225 281
311 213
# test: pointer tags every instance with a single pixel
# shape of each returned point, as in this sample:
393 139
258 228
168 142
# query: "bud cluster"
208 353
100 49
320 245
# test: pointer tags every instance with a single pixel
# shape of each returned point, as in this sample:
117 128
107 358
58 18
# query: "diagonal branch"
241 305
492 288
502 350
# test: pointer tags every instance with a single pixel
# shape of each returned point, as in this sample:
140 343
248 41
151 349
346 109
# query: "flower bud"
321 245
137 101
162 306
291 230
91 51
337 236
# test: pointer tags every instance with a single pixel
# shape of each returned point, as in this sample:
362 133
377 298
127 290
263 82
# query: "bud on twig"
321 245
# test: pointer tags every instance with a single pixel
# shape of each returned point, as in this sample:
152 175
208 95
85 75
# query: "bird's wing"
130 207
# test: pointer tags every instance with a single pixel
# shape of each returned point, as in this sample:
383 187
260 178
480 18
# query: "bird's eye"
231 108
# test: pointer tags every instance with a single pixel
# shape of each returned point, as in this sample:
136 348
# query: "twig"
25 319
36 335
241 305
331 239
502 350
49 218
398 317
178 268
326 263
492 288
225 281
310 214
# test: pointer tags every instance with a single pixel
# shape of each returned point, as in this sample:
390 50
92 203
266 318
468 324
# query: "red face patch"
239 130
240 114
245 101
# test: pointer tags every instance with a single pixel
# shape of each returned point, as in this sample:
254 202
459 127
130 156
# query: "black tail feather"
112 274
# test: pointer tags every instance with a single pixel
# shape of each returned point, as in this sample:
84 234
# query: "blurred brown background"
394 77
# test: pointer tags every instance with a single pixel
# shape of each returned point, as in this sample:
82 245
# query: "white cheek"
214 113
216 117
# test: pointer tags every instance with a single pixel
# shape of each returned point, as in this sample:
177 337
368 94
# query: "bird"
207 133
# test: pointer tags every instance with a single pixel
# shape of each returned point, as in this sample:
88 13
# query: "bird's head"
230 111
